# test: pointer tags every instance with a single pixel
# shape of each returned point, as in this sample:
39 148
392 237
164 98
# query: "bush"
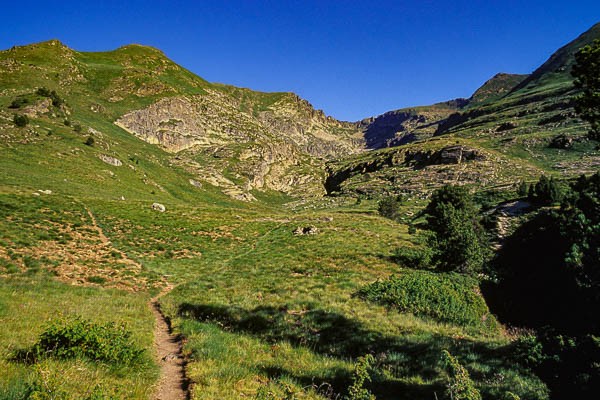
76 337
445 297
414 257
43 92
545 192
77 128
389 207
89 141
20 120
18 103
459 386
361 375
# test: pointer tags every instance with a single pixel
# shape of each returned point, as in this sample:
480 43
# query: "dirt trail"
173 384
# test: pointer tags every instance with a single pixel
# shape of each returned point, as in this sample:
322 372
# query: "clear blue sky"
353 59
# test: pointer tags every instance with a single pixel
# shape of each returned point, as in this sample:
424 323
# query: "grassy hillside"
265 309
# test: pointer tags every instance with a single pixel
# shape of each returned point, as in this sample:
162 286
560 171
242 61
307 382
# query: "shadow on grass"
334 335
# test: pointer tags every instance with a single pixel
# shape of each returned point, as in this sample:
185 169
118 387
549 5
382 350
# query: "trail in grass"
173 384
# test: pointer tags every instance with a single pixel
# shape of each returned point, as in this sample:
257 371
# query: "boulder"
110 160
158 207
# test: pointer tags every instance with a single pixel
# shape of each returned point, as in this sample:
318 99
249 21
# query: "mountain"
526 121
557 69
235 139
499 85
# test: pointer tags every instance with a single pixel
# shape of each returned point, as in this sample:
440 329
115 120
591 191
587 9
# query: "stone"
122 198
158 207
45 191
110 160
195 183
307 230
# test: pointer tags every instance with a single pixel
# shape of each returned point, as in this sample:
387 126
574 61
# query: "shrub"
389 207
67 122
523 189
414 257
361 375
76 337
43 92
20 120
445 297
18 103
545 192
77 128
89 141
459 386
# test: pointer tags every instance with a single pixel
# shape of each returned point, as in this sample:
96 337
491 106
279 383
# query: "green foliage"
361 375
587 74
523 189
43 92
545 192
77 128
446 297
18 103
90 141
57 101
79 338
389 207
458 242
459 385
20 120
528 351
414 257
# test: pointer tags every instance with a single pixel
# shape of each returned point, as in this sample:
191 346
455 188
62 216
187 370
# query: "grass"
260 308
30 302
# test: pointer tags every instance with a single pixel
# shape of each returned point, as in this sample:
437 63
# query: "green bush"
361 375
90 141
389 207
18 103
414 257
459 386
445 297
76 337
20 120
43 92
545 192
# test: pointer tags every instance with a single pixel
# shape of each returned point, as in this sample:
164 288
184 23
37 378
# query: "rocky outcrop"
269 149
405 158
110 160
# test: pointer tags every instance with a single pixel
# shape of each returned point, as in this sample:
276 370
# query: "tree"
523 189
587 73
458 242
545 192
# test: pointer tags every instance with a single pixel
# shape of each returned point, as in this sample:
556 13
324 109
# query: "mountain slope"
233 139
530 126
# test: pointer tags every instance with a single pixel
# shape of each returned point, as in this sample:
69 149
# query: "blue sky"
353 59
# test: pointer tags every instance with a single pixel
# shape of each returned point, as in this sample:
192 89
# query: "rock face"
276 146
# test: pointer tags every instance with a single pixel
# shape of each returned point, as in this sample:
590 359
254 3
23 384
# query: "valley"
257 219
